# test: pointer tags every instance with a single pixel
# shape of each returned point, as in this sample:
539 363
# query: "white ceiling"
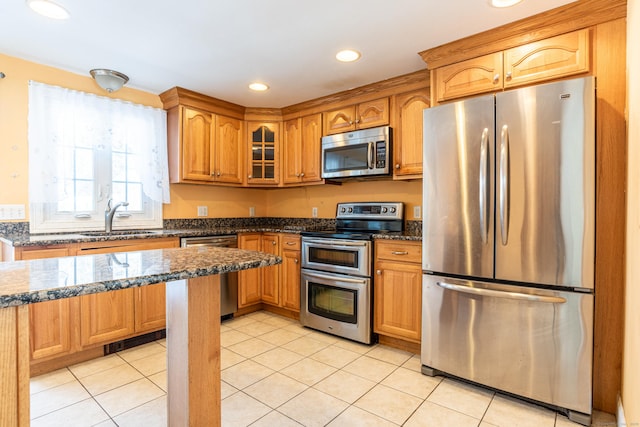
217 47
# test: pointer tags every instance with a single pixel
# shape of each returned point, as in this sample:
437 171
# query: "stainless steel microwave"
360 153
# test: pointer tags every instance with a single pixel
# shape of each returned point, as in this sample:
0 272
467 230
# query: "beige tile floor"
277 373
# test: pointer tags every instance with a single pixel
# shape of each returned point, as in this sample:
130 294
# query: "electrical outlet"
252 211
12 212
416 211
203 211
314 212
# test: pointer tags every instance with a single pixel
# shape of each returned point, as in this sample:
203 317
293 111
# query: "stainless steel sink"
116 233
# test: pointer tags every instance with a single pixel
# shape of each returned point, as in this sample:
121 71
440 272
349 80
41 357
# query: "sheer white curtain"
61 118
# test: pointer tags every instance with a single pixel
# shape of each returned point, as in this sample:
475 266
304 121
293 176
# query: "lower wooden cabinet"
106 317
277 285
270 243
398 290
290 268
63 327
150 308
249 281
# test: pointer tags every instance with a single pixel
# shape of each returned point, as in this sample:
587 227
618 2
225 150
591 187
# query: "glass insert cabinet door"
264 141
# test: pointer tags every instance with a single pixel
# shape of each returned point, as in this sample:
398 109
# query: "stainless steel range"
336 283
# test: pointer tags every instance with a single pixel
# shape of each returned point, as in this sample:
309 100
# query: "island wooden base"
14 366
193 356
193 352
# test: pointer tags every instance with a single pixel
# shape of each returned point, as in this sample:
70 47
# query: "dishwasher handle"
226 241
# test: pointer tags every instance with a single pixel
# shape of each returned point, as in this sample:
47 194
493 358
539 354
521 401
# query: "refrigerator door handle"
501 294
484 186
504 184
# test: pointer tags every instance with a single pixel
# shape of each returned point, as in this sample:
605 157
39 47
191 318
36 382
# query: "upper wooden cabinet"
205 138
301 150
209 148
407 133
263 148
474 76
556 57
361 116
559 56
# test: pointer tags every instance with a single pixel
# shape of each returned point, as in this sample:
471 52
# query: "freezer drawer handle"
484 186
504 184
501 294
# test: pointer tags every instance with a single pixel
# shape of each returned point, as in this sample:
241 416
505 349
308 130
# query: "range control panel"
370 210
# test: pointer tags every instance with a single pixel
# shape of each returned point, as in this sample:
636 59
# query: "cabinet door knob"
496 78
378 272
397 165
295 260
218 173
249 176
302 175
297 175
273 243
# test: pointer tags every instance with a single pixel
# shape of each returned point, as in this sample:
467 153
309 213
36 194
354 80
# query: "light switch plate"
416 211
12 212
252 211
314 212
203 211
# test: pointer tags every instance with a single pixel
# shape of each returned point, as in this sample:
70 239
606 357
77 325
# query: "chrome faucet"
109 213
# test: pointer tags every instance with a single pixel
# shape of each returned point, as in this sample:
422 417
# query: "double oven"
337 268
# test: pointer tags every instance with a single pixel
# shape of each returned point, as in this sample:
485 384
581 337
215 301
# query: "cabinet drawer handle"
399 253
290 243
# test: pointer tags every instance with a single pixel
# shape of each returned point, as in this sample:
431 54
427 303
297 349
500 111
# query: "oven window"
338 257
352 157
333 303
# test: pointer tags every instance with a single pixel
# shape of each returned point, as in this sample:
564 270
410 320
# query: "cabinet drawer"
404 251
291 242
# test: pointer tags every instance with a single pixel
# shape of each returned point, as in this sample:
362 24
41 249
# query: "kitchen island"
193 318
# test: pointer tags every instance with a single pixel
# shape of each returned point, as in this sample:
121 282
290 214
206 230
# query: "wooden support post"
14 366
193 352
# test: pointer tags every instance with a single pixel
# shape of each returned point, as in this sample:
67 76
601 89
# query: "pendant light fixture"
109 80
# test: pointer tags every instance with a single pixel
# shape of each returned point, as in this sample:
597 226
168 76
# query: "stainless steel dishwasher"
228 281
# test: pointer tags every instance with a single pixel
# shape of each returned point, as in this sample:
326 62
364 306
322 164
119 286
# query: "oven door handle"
334 242
334 278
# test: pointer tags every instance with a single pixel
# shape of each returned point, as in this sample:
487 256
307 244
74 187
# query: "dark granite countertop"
26 239
26 282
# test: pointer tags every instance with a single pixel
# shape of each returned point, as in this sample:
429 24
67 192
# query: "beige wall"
222 202
631 363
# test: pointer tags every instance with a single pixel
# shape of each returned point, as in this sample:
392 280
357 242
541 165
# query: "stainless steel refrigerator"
508 242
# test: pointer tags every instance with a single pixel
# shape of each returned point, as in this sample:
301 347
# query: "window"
86 149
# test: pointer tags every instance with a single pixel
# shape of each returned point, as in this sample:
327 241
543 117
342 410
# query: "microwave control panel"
381 154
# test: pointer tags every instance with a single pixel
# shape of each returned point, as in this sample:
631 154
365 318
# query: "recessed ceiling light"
348 55
48 8
504 3
258 87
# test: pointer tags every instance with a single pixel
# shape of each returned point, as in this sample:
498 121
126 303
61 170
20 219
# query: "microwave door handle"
370 155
